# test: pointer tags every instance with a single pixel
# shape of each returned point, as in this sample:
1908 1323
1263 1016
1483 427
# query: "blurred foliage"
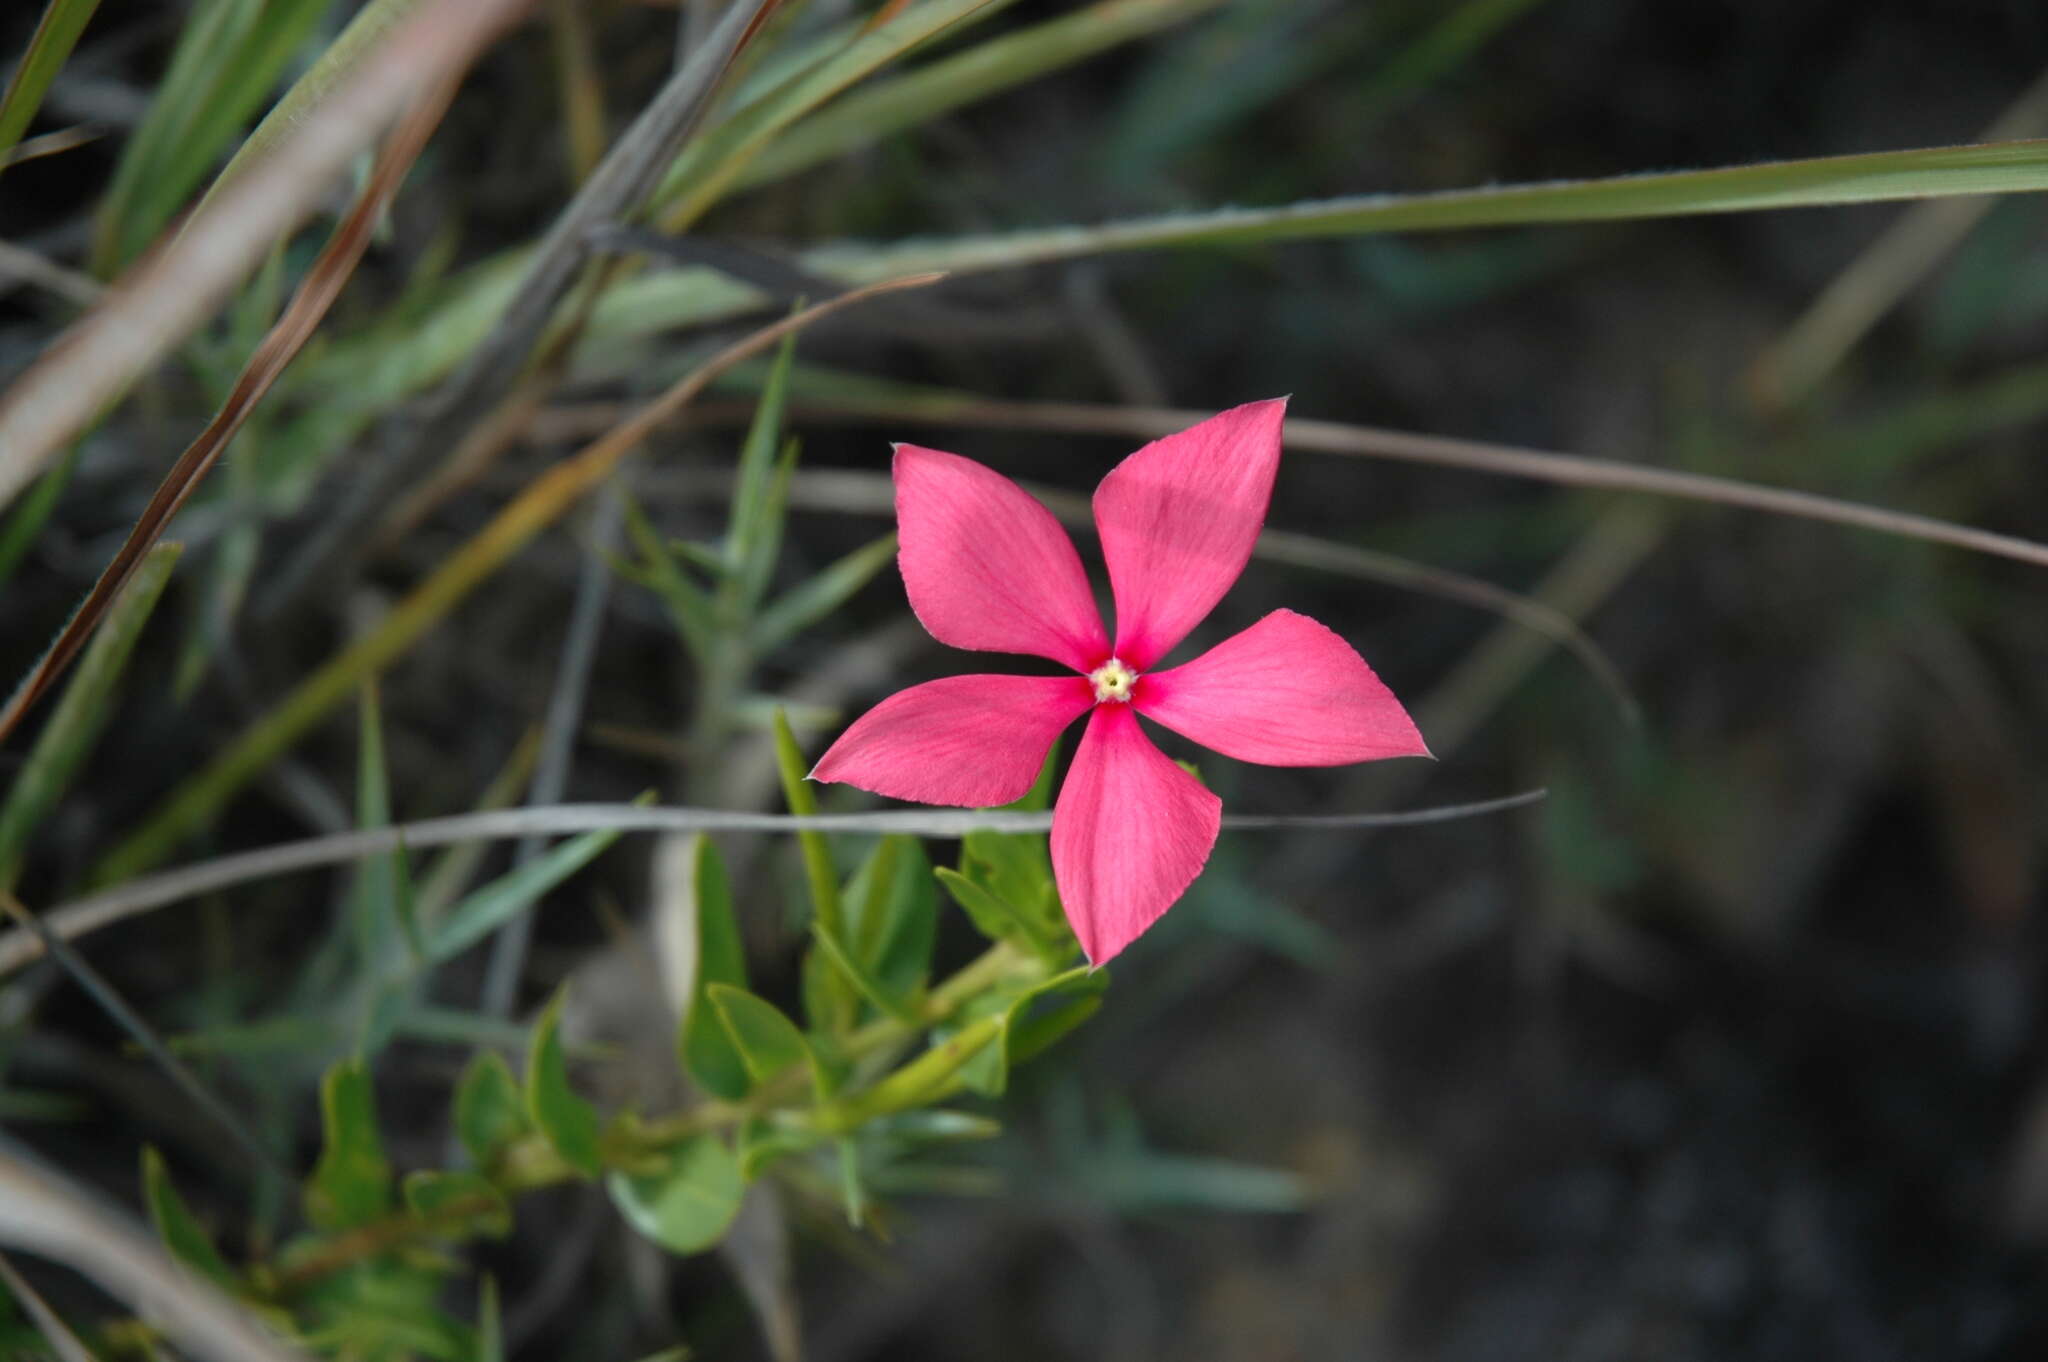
1729 1052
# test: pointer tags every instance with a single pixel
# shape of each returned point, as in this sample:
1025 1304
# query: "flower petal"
1178 519
987 567
974 741
1285 692
1129 834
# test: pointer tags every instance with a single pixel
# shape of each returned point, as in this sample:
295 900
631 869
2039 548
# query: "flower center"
1113 681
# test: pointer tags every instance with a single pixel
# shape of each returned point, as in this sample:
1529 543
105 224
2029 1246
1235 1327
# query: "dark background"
1730 1050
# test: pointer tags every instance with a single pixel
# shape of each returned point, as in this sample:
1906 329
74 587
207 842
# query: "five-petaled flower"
988 568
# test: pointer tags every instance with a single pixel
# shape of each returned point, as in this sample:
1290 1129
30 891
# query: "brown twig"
178 285
309 305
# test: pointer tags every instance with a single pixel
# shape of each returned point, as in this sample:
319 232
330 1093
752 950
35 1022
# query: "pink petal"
987 567
1129 834
974 741
1285 692
1178 519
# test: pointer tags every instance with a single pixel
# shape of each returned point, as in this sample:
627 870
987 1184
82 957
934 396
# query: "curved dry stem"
1373 442
90 914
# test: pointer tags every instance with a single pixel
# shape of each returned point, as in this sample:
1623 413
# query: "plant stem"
530 1163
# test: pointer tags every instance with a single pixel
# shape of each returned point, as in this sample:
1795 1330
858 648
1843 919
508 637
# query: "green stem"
530 1163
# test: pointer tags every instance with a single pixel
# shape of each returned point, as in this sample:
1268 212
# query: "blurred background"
1730 1049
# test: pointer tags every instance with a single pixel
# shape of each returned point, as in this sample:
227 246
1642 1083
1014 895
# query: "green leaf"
747 527
490 1111
490 1326
802 606
993 916
988 1072
503 899
179 1229
74 726
351 1185
383 908
769 1043
31 511
929 1078
568 1122
708 166
984 69
459 1203
688 606
229 55
707 1048
856 974
819 873
48 49
762 1141
895 914
687 1206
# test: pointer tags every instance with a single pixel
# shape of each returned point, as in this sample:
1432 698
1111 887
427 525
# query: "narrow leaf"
48 49
747 530
802 606
177 1227
688 607
87 705
709 1054
504 898
819 873
569 1123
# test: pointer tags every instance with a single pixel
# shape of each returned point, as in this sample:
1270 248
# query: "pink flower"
988 568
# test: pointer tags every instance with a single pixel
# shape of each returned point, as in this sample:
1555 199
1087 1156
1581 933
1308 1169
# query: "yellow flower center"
1113 681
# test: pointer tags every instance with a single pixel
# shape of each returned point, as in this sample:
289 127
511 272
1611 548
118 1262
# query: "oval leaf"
708 1053
687 1206
569 1123
351 1185
490 1111
768 1042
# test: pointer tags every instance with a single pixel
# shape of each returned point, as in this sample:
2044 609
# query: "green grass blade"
1875 177
87 705
26 519
806 604
48 49
229 56
490 907
983 70
710 165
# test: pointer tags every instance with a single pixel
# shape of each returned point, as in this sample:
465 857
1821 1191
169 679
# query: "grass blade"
986 69
1875 177
228 57
323 284
199 798
87 706
708 168
48 49
179 286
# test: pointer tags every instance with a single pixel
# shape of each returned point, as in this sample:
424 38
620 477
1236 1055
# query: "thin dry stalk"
180 283
545 500
316 294
1373 442
44 1213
